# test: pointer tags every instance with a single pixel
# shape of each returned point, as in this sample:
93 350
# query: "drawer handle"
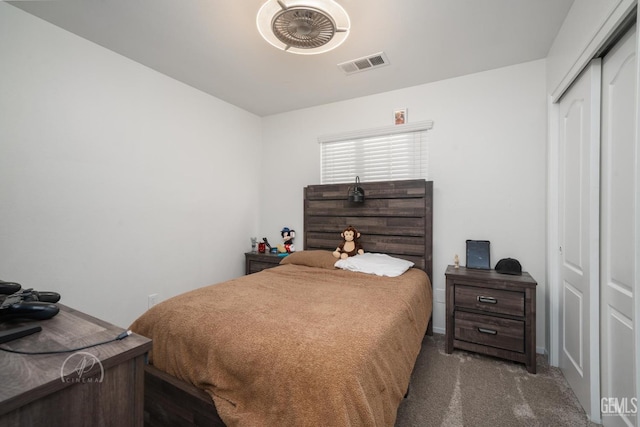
488 300
487 331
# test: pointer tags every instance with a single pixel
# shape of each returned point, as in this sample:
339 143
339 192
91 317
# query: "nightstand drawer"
492 313
490 300
488 330
255 261
256 266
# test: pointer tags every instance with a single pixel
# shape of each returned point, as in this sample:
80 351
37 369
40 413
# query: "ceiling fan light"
304 27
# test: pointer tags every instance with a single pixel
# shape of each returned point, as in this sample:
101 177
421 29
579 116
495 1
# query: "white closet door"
579 128
618 234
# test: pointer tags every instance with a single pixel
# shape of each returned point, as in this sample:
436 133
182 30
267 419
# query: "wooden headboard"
396 218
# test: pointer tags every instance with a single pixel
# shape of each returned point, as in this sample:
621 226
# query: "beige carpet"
467 389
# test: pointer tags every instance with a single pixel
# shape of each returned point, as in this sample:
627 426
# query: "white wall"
116 182
487 161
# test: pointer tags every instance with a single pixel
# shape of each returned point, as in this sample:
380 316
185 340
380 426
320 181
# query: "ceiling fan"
304 27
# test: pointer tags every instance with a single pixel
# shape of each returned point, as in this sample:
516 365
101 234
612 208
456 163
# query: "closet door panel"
618 234
578 220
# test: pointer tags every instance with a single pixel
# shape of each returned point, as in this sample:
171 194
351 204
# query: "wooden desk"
46 390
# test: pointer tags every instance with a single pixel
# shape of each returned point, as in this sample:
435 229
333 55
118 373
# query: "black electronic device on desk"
24 304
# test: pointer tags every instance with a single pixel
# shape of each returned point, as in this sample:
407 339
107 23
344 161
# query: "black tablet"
478 254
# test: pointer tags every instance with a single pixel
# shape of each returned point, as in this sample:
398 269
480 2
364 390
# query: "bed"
303 343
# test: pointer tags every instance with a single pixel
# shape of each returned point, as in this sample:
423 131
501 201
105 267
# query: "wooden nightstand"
102 386
255 261
492 313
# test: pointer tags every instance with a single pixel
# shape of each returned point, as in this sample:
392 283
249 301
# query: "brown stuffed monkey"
350 245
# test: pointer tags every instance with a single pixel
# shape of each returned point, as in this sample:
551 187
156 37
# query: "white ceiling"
214 45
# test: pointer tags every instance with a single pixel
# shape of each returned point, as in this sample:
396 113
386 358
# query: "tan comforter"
296 345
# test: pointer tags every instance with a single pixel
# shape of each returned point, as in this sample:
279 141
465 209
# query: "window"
391 153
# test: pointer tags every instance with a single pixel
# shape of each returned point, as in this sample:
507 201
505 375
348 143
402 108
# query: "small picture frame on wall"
400 116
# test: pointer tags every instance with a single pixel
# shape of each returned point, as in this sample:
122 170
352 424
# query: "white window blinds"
391 153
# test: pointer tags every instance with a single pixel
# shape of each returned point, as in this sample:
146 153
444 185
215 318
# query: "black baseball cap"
509 266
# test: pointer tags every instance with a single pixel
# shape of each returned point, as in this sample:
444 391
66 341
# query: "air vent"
363 64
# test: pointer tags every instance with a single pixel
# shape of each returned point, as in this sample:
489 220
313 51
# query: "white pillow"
378 264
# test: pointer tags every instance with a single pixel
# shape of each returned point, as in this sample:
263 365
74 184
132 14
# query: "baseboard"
437 330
